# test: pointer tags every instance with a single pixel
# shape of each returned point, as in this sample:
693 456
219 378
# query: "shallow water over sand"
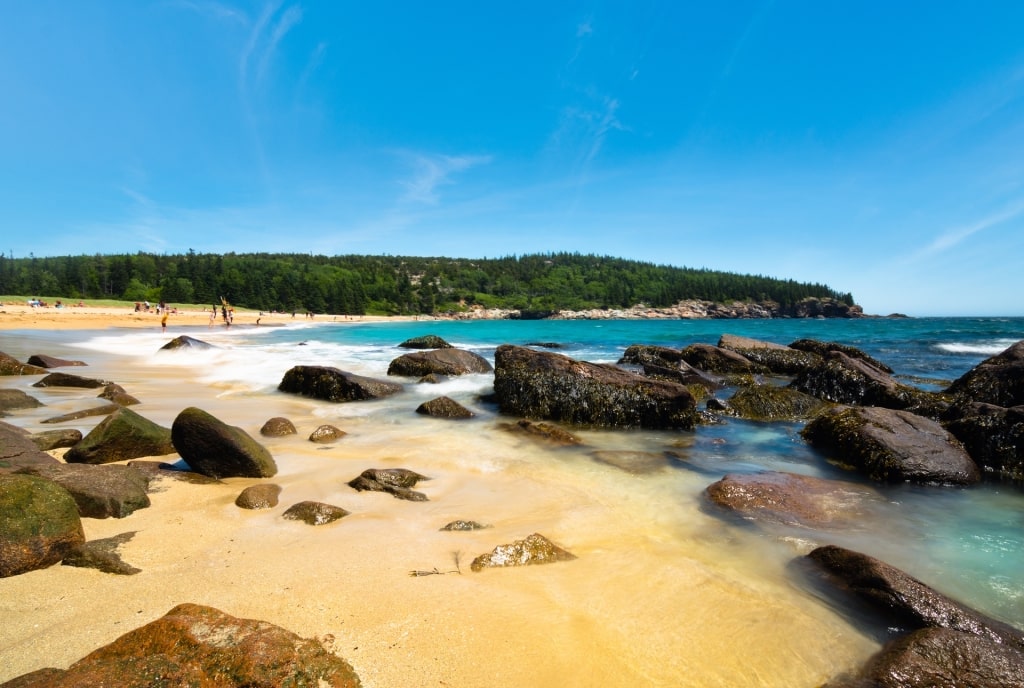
664 592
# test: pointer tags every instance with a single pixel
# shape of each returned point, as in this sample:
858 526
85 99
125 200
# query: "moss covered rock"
40 524
212 447
332 384
122 435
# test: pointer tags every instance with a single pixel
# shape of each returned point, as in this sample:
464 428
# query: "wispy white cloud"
956 235
216 10
433 171
288 19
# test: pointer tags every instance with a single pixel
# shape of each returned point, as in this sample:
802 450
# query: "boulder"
530 551
102 555
844 380
314 513
550 386
444 407
186 342
998 380
993 436
9 365
40 524
777 358
823 349
278 427
904 601
69 380
548 432
122 435
17 449
325 434
331 384
212 447
429 341
771 403
892 446
111 491
638 354
713 359
44 361
264 496
101 410
57 439
15 399
795 500
940 658
396 481
439 362
193 645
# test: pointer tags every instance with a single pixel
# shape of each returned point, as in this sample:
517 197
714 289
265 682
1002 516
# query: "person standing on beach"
163 320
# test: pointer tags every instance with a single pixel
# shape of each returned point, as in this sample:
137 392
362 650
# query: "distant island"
547 285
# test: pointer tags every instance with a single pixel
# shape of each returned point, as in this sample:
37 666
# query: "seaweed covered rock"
663 363
40 524
844 380
546 385
715 359
993 436
194 645
448 361
998 380
546 432
770 403
824 348
214 448
444 407
111 491
331 384
892 446
427 341
122 435
530 551
638 354
778 358
395 481
791 499
904 601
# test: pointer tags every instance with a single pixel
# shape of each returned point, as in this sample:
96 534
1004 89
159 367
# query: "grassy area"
104 303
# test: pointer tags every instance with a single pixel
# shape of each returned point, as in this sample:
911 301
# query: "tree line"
391 285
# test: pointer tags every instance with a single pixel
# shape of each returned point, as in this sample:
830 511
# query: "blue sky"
877 147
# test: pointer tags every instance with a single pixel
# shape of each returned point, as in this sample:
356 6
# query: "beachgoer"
163 321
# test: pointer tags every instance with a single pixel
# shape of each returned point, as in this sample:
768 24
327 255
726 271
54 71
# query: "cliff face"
807 308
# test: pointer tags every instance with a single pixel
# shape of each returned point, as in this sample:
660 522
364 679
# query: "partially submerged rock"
326 433
263 496
44 361
444 407
15 399
530 551
791 499
332 384
314 513
714 359
428 341
193 645
395 481
465 525
892 446
9 365
40 524
824 348
771 402
186 342
214 448
998 380
539 430
101 410
994 437
778 358
278 427
117 394
122 435
448 361
633 462
549 386
69 380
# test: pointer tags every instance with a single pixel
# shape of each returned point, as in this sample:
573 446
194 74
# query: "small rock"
326 434
465 525
396 481
278 427
263 496
314 513
444 407
534 549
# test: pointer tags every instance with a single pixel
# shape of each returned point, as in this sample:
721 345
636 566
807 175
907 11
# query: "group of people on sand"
226 312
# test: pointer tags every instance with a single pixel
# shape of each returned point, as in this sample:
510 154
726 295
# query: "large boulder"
18 449
99 491
212 447
194 645
439 362
546 385
904 601
941 658
15 399
998 380
332 384
69 380
663 363
122 435
824 348
532 550
795 500
40 524
993 436
9 365
714 359
778 358
44 361
427 341
844 380
892 446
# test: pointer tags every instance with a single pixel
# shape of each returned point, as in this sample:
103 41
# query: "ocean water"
678 593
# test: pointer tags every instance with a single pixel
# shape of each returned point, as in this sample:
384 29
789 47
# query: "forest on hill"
391 285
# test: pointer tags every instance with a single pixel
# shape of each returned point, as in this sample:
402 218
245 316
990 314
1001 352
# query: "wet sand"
662 594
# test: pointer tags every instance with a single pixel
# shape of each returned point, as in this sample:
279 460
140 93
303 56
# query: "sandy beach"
658 597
